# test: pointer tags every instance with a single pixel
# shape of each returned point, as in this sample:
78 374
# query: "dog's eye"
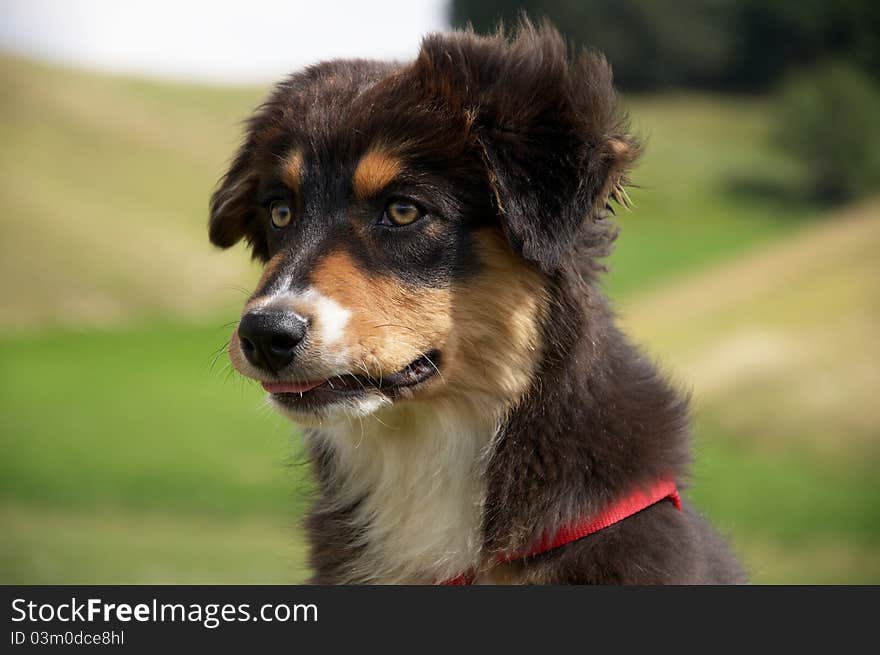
280 213
401 212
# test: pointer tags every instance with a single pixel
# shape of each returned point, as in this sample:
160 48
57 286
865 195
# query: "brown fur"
391 323
376 169
498 317
291 171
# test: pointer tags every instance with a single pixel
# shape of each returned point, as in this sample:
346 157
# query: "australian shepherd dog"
430 312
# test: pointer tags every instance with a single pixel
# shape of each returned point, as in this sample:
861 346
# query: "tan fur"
496 318
392 323
487 328
375 170
622 154
419 464
292 171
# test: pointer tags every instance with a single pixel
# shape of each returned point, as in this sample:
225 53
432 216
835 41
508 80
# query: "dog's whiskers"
383 422
216 355
235 287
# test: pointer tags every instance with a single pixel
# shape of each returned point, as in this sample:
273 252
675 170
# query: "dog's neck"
598 421
423 491
413 478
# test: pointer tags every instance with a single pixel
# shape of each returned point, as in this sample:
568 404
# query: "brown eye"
401 212
281 214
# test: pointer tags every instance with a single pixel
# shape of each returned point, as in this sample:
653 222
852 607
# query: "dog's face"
412 218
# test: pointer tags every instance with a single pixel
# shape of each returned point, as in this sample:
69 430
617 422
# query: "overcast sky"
217 41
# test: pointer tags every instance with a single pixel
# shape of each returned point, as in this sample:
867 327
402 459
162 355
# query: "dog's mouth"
350 384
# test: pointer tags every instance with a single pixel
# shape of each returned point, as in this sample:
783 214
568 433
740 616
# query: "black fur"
549 129
517 134
632 428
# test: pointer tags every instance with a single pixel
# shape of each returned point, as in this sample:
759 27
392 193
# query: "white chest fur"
419 468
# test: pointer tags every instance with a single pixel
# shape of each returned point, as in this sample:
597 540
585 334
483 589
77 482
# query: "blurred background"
750 267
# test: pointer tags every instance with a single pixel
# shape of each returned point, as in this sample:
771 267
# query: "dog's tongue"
290 387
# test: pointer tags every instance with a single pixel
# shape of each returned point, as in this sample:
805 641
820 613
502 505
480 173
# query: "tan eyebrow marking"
376 169
291 170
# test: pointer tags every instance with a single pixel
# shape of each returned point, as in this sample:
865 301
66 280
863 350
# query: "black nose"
268 339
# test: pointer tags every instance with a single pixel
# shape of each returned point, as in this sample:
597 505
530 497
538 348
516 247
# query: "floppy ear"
553 140
233 205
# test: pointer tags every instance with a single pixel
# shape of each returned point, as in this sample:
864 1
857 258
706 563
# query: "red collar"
634 502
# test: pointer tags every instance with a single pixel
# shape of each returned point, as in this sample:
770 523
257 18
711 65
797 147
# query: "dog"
430 312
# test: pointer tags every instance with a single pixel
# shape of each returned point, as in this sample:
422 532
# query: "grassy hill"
131 455
780 347
104 184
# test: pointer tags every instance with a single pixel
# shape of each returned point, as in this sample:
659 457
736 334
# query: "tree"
722 44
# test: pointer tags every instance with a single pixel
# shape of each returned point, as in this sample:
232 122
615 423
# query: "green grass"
138 419
60 546
127 457
793 518
790 499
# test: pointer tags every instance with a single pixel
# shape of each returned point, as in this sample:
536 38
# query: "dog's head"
412 217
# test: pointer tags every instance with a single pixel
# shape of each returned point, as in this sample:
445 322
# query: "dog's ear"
552 137
233 205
